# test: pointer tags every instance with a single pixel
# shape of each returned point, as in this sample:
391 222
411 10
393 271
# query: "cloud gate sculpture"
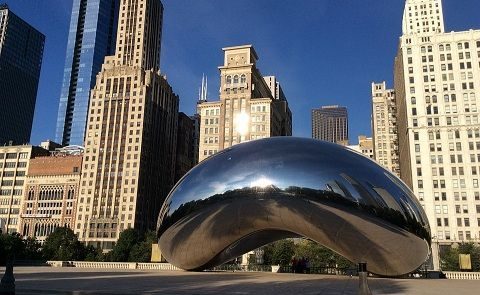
258 192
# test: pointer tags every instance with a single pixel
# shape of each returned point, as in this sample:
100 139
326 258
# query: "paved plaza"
49 280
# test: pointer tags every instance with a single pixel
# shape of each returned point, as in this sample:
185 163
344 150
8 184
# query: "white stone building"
437 88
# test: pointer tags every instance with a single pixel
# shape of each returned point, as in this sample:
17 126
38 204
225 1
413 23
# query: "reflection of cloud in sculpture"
258 192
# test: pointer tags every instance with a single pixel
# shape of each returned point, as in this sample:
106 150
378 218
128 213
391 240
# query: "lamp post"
363 288
7 285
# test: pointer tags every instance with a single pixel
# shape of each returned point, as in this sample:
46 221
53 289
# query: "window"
11 156
447 235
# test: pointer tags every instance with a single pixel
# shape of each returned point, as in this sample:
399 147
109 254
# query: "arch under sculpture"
261 191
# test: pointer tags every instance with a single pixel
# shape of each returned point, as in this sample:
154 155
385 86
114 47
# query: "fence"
457 275
321 270
238 267
113 265
452 275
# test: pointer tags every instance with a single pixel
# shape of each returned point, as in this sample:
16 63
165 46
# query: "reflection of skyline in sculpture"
262 191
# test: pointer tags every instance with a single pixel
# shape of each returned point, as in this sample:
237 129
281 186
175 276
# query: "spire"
202 93
205 92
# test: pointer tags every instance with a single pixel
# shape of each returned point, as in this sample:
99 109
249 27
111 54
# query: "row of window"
456 183
12 210
212 112
213 139
10 156
211 121
12 173
11 182
209 152
447 98
236 79
452 134
461 236
444 47
13 165
456 195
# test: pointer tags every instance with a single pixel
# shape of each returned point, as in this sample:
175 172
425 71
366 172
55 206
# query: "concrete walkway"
48 280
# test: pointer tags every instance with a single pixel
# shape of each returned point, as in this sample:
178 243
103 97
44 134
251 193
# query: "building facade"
384 127
50 195
437 88
247 109
196 137
364 146
21 52
330 123
186 154
14 164
91 38
129 159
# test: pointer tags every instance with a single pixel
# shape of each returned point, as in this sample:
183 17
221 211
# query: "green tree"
94 254
62 244
142 250
127 240
320 256
11 246
449 258
32 249
279 252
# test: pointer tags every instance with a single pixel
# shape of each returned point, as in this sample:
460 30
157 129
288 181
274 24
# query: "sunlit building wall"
437 88
129 159
247 109
384 127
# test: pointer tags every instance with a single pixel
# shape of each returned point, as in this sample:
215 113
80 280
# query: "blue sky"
322 51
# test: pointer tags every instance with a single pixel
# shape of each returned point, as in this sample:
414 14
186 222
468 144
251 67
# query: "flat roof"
242 47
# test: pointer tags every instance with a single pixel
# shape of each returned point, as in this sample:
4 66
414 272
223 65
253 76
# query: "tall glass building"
21 52
91 37
330 123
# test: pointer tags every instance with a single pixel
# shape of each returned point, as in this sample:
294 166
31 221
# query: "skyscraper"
21 52
91 38
247 109
384 127
129 159
437 89
330 123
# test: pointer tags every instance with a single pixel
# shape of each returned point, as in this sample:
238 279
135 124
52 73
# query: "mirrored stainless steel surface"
258 192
